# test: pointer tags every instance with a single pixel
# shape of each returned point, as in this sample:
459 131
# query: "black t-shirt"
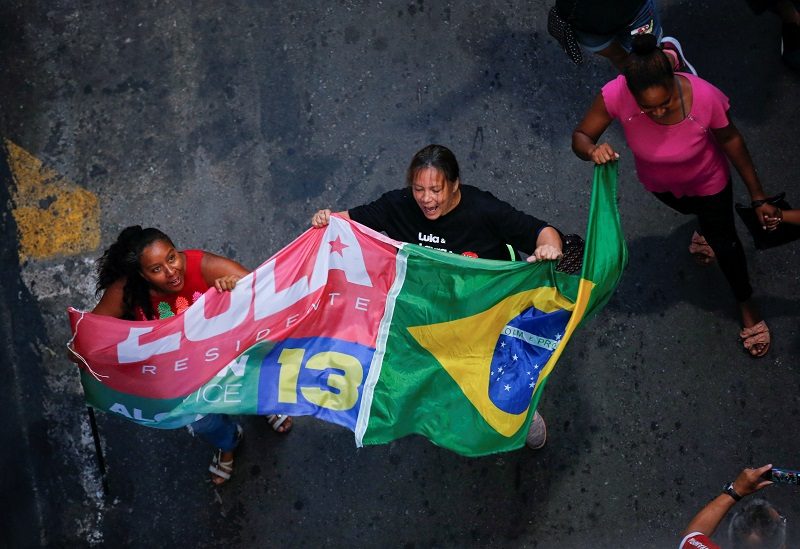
599 17
479 226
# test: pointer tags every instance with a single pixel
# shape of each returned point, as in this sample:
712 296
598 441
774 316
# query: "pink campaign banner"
327 283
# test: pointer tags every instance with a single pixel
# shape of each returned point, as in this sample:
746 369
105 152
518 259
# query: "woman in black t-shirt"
437 211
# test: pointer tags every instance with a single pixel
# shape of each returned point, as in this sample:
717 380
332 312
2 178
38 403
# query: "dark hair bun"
644 44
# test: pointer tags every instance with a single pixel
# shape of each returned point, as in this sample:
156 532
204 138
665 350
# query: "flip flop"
756 339
700 249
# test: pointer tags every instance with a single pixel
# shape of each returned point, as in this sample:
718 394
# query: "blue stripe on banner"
319 376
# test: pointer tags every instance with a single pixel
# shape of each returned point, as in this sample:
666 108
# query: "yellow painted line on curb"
54 216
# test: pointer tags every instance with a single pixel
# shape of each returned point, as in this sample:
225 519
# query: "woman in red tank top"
143 277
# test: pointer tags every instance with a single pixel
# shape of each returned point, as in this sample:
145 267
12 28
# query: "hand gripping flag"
384 338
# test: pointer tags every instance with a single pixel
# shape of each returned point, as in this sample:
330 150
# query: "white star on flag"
532 385
508 387
502 344
514 357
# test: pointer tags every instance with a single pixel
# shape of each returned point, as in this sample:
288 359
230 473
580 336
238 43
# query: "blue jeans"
220 431
647 15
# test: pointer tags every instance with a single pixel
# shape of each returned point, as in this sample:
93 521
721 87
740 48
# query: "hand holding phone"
779 475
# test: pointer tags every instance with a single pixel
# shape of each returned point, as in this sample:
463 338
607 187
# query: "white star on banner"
532 385
502 344
514 357
508 387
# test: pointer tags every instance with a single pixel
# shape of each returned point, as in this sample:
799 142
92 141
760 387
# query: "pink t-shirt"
682 158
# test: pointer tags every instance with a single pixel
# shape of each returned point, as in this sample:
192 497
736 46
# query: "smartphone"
779 475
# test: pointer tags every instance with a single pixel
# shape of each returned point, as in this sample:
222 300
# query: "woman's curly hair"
121 260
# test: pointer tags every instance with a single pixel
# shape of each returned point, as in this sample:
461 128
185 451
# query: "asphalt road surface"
227 124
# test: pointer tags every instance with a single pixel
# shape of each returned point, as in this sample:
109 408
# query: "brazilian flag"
466 346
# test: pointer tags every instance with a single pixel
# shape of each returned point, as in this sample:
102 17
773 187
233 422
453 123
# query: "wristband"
728 489
757 203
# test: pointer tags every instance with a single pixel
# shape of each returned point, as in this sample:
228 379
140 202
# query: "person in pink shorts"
681 136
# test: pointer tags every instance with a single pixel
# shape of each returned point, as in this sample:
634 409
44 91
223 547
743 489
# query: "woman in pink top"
678 129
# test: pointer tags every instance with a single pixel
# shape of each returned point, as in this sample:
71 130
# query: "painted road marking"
53 215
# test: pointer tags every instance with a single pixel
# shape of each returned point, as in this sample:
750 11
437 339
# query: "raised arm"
221 272
548 245
323 217
709 517
588 132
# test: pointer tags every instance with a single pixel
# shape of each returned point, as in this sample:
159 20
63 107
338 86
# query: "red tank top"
171 304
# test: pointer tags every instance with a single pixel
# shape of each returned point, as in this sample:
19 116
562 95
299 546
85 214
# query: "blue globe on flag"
522 350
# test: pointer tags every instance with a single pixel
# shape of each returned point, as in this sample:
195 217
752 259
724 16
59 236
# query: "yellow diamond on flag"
465 347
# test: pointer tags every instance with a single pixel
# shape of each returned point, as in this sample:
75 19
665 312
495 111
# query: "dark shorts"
647 20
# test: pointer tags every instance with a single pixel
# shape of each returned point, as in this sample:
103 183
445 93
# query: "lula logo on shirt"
433 239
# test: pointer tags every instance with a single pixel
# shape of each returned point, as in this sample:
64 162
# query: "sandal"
756 339
220 469
277 420
700 249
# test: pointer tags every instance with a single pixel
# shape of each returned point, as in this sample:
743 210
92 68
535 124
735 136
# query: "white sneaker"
537 434
671 43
